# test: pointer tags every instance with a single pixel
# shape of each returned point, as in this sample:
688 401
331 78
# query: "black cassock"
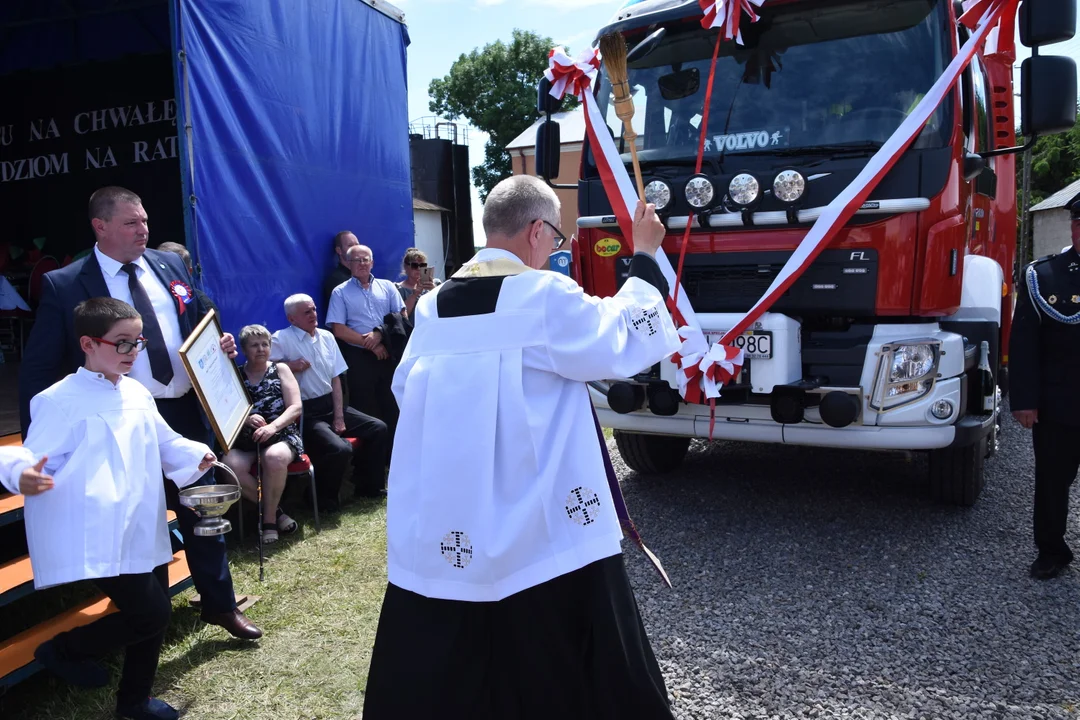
571 648
1044 360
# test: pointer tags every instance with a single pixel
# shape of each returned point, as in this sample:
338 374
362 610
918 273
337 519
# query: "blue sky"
441 30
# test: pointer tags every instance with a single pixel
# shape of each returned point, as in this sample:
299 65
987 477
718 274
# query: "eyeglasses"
417 266
559 237
360 261
124 347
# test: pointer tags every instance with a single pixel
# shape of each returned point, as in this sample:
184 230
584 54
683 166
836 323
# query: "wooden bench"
17 576
17 654
11 509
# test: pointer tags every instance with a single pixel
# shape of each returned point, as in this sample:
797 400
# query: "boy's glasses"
417 266
124 347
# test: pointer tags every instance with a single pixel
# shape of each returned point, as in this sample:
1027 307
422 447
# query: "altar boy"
101 517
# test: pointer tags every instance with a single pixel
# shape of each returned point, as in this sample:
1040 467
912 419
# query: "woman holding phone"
419 277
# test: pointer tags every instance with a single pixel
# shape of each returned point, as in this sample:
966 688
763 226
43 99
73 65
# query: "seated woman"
415 284
272 427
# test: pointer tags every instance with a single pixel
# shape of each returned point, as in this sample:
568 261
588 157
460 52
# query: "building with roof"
522 151
431 229
1050 225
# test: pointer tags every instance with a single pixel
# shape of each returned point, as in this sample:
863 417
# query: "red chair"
301 467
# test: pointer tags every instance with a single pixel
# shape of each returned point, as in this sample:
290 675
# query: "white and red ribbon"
620 191
704 368
568 76
725 15
844 206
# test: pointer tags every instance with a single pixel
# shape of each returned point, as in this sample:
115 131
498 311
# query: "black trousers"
330 453
139 626
205 555
1057 460
572 648
369 380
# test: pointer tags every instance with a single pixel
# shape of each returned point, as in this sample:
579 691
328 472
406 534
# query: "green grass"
319 610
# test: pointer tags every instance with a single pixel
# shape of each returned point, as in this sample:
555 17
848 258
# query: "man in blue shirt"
357 310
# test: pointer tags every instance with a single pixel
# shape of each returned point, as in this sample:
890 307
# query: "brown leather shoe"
236 623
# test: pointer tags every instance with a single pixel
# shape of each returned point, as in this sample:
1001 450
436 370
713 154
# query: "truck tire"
957 473
651 454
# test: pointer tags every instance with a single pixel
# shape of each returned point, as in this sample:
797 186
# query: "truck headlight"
911 362
658 193
906 372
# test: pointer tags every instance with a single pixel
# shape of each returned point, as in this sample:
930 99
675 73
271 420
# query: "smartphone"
427 273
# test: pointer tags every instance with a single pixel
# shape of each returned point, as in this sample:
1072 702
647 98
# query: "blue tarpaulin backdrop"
299 129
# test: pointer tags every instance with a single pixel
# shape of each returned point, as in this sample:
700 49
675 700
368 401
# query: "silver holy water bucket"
211 502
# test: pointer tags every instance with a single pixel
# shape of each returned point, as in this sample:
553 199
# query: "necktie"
160 365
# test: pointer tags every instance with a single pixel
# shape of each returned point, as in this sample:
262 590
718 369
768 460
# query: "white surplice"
107 446
498 482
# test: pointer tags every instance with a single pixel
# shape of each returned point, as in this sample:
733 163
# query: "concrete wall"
429 238
1051 230
524 163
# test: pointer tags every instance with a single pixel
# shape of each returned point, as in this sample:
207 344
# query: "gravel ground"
813 583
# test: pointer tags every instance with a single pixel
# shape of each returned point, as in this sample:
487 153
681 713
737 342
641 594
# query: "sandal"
285 524
269 533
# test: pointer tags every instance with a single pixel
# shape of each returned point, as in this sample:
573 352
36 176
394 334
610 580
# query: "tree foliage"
1055 162
494 88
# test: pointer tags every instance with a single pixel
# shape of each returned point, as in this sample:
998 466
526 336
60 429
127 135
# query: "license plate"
757 344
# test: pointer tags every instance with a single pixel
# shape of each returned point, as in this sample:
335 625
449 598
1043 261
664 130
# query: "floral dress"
270 403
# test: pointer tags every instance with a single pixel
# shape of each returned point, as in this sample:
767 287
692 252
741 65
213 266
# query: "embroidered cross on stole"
502 267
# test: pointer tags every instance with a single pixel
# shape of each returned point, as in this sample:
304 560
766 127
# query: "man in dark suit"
1044 355
157 285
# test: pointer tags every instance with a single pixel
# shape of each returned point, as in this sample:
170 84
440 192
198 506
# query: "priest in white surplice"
508 597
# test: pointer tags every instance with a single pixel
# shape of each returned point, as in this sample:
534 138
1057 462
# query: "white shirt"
165 309
321 350
363 309
107 446
497 482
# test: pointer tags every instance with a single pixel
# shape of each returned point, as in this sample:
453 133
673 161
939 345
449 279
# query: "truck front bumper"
911 425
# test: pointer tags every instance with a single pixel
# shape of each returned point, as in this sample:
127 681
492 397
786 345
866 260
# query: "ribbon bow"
974 10
725 15
705 369
571 76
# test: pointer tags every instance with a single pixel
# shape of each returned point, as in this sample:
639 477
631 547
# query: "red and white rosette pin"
569 76
183 294
726 14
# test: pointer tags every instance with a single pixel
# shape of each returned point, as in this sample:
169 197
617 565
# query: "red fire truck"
895 338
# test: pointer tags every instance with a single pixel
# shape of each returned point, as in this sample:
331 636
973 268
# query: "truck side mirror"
1047 94
545 103
548 149
1044 22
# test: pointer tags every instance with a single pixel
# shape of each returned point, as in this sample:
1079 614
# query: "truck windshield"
811 77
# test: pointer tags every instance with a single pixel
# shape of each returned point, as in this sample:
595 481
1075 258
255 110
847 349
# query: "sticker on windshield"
752 140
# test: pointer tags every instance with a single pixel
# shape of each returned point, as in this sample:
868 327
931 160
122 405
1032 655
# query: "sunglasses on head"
417 265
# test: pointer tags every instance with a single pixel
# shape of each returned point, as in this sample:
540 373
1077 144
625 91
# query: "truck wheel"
957 473
651 454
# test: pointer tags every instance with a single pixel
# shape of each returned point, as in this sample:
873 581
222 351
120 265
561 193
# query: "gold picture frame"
216 380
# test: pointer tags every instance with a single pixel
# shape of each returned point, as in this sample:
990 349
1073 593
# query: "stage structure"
253 134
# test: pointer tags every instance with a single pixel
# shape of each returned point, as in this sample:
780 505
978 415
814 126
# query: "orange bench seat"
17 654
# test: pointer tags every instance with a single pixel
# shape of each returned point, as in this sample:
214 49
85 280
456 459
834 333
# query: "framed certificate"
216 380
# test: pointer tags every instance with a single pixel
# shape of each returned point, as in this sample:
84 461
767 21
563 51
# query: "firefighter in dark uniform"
1044 356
